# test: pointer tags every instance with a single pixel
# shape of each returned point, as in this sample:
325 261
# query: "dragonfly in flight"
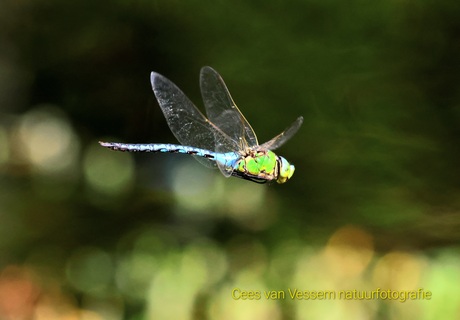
224 138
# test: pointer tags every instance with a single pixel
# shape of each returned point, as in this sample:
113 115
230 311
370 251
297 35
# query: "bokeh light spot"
247 204
179 279
4 148
47 140
106 171
399 271
195 187
213 257
89 270
349 251
228 302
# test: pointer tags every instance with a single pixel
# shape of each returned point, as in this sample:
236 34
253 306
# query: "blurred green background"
87 233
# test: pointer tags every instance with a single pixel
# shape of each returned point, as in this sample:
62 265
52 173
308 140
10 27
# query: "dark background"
87 233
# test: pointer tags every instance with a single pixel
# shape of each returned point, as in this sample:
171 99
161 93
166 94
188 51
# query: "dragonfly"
224 139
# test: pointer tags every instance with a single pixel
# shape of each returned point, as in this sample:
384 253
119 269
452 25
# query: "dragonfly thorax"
262 166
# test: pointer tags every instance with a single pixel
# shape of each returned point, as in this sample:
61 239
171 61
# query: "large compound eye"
286 170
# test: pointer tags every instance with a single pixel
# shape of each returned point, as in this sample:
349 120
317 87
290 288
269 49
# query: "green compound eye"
286 170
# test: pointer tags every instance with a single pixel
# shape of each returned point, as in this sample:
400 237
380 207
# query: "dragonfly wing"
187 123
223 112
284 136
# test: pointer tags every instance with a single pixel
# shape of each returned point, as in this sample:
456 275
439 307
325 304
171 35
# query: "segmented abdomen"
159 147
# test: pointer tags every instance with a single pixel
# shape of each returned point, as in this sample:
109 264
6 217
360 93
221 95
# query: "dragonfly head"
286 170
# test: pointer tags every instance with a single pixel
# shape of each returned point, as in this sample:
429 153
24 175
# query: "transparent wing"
223 112
186 122
284 136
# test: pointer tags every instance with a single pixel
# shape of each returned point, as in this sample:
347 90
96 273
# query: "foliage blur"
87 233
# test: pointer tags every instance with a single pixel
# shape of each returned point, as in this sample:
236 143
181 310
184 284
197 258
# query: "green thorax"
262 166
